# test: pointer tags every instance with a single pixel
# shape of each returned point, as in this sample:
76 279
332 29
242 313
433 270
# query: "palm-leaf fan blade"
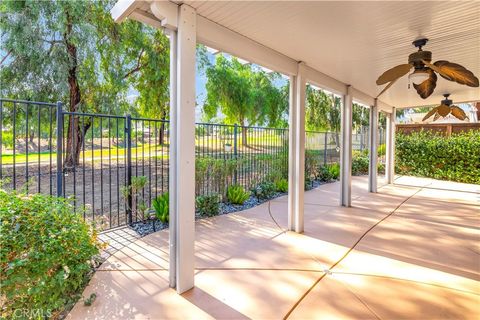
443 110
430 113
394 73
425 89
454 72
458 113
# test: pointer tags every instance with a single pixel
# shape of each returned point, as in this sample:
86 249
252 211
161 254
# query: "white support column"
390 148
184 125
300 89
373 152
346 150
173 159
292 131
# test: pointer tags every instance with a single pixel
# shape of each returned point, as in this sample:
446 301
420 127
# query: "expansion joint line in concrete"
347 253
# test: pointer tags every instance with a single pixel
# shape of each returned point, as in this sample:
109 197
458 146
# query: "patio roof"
349 42
338 46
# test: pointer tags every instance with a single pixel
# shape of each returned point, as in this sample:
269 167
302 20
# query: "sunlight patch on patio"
420 262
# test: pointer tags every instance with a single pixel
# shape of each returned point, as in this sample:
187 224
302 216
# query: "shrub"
334 170
427 154
236 194
46 253
7 139
264 190
312 162
329 172
214 174
360 163
161 206
209 205
281 185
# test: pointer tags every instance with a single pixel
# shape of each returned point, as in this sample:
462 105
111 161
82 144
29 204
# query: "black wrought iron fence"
93 158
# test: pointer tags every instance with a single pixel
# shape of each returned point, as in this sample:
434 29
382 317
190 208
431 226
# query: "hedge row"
426 154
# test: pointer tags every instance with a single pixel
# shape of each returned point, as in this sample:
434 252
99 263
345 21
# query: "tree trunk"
75 134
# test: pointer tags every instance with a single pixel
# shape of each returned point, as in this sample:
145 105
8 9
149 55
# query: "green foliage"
242 94
46 252
236 194
208 205
161 206
312 162
426 154
329 172
134 190
360 163
214 174
265 190
281 185
322 110
381 150
7 139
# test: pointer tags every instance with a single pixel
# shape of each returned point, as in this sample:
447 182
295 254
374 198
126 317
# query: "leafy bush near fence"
330 172
208 206
264 190
161 206
46 253
281 185
360 163
455 158
214 174
236 194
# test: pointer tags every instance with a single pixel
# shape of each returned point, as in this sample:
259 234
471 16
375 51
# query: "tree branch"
138 67
6 56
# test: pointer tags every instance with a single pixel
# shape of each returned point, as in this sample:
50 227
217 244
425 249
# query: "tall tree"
243 95
73 51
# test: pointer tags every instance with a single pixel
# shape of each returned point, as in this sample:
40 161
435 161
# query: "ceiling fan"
444 109
423 77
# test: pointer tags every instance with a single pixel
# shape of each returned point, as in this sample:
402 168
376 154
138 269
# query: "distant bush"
426 154
209 205
161 206
381 150
264 190
46 253
236 194
7 139
360 163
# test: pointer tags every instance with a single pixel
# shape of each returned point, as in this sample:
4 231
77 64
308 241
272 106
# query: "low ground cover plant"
208 205
236 194
429 154
46 254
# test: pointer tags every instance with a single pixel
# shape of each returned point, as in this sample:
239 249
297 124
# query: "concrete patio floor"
420 262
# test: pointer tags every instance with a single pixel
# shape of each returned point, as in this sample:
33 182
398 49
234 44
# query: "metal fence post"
325 149
59 149
235 151
128 133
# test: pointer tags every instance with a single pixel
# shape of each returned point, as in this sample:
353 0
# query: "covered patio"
346 250
409 251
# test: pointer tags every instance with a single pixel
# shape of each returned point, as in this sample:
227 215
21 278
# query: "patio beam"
346 150
373 151
390 148
183 191
292 132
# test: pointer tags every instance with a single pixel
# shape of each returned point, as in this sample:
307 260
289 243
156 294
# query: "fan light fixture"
418 76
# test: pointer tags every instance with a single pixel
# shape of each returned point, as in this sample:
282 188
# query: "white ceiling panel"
355 42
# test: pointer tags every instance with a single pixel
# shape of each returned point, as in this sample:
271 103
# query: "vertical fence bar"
128 133
325 148
59 149
235 152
